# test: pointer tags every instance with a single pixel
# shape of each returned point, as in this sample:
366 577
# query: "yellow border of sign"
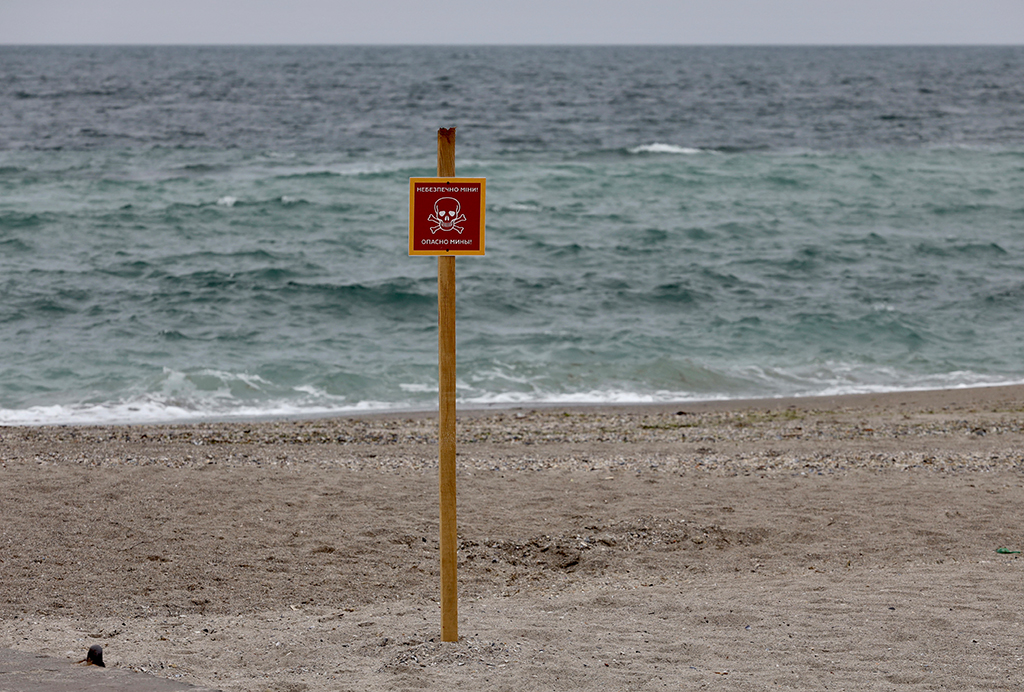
482 182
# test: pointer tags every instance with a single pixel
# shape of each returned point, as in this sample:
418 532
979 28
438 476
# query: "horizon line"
188 44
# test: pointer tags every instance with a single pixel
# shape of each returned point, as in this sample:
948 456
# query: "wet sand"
848 543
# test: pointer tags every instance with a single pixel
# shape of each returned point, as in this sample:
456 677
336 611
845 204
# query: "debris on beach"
94 657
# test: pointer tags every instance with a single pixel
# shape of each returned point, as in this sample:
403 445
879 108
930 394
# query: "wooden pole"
446 411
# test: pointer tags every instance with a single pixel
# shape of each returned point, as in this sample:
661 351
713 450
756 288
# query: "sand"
842 543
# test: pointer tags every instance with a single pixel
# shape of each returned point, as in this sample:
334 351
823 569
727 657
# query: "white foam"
227 201
313 391
519 206
341 169
661 148
211 394
595 397
417 388
834 378
154 411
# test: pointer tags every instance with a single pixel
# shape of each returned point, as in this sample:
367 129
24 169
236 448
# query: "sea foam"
660 148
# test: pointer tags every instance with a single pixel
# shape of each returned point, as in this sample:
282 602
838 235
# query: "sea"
205 233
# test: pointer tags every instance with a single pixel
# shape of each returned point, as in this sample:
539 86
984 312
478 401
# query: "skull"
447 210
447 216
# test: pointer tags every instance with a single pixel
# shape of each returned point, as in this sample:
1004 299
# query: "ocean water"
194 233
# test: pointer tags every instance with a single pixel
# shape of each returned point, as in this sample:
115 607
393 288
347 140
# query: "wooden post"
446 411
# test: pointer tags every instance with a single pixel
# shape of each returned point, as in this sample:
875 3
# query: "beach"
218 435
859 542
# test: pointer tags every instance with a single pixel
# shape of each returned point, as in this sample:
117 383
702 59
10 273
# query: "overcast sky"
514 21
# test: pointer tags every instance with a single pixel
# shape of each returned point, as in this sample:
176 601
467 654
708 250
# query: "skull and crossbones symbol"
447 216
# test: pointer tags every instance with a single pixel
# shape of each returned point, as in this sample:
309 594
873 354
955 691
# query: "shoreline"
944 430
975 395
967 396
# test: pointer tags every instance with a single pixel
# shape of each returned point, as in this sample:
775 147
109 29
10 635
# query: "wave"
211 395
154 411
151 410
660 148
199 395
359 169
17 220
231 201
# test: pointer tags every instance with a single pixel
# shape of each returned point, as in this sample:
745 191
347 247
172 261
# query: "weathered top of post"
446 152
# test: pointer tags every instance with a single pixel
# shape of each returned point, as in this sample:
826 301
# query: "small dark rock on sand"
94 657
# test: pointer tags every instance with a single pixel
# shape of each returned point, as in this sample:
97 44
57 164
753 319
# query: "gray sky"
514 21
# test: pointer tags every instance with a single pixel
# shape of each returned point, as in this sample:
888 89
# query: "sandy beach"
858 543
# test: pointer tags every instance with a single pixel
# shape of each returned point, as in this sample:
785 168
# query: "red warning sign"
446 216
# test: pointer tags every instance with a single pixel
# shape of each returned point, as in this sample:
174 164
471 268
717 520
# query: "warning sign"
446 216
